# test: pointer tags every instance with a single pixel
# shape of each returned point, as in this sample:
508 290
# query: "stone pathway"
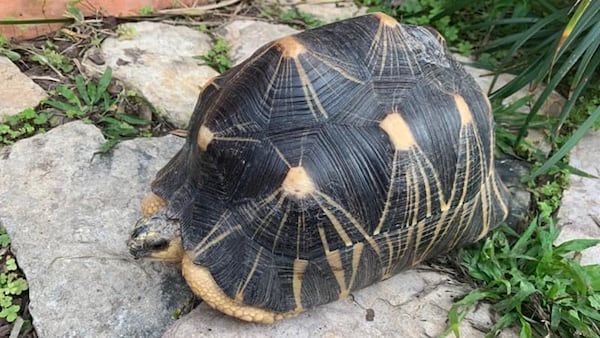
69 212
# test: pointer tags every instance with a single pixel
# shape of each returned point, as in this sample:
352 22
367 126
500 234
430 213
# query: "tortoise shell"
333 159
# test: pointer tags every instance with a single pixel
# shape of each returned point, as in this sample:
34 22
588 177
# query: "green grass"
530 281
12 284
24 124
291 17
218 56
89 101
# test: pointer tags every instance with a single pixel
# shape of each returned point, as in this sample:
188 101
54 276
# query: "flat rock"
69 212
18 91
579 214
245 36
330 11
414 303
157 62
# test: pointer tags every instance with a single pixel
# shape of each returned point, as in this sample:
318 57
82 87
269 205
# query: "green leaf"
10 265
576 245
108 145
4 239
104 81
10 313
594 300
133 119
41 118
573 140
81 88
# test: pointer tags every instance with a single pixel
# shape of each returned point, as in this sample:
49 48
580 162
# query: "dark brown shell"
332 159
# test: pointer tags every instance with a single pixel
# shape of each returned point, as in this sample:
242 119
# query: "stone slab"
69 212
17 91
579 214
156 60
411 304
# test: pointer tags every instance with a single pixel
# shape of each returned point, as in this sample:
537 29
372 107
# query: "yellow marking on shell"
267 219
485 214
388 270
205 136
398 131
211 82
337 267
385 19
234 139
496 189
323 239
203 284
336 225
281 224
222 219
297 278
463 108
409 235
470 210
298 183
173 253
420 230
417 195
216 240
239 296
310 94
337 68
460 228
280 154
387 204
290 47
419 155
269 198
356 254
151 203
352 220
425 179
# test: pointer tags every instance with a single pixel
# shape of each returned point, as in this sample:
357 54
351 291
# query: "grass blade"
564 150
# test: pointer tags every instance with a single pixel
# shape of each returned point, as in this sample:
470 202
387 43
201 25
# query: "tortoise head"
156 236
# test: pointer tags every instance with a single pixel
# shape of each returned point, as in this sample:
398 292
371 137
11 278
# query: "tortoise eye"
157 245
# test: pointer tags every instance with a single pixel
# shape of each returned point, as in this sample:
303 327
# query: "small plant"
530 280
11 283
126 32
218 56
4 50
146 10
299 19
91 101
51 57
292 17
24 124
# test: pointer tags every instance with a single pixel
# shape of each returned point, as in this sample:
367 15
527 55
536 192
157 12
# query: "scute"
332 159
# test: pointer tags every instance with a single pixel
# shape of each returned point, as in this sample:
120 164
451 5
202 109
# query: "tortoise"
327 161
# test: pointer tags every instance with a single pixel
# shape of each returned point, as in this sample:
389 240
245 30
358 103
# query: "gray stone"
69 212
414 303
245 36
18 91
331 11
579 214
157 62
324 10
